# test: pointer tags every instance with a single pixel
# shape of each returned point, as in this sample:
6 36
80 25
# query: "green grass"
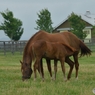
11 83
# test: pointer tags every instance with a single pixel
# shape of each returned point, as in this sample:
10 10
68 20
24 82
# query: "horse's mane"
29 41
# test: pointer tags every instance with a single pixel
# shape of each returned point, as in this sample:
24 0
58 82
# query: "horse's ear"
21 62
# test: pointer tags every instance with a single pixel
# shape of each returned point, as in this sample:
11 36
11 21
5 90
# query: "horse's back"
55 50
65 37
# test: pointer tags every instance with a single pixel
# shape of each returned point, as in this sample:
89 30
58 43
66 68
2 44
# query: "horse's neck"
27 59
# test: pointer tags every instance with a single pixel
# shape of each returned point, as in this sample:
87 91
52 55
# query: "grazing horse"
65 37
52 50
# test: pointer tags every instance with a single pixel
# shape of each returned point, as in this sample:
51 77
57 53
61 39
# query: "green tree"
44 21
77 25
11 26
93 32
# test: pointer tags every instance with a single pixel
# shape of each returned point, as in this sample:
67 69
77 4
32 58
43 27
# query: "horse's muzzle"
25 77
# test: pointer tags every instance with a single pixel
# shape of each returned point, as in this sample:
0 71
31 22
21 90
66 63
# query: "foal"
52 50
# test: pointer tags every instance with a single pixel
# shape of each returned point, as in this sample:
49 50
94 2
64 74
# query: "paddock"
11 83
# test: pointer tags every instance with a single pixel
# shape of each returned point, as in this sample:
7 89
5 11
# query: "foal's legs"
68 61
63 67
55 68
71 64
38 66
76 64
41 67
48 61
49 67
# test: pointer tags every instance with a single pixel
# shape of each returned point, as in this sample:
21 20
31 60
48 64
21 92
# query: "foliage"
77 25
93 32
11 26
44 21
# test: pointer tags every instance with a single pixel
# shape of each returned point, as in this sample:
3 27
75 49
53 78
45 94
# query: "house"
89 20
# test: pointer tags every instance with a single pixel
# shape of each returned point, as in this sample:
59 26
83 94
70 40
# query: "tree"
77 25
93 32
11 26
44 21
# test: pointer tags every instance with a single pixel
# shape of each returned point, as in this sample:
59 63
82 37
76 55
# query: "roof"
88 17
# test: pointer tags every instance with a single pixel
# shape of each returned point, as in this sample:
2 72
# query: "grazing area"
11 82
65 37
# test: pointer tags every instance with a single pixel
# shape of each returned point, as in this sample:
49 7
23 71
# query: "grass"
11 83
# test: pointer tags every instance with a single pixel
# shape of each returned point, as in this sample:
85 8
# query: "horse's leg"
35 67
40 67
42 72
55 68
63 67
71 64
49 67
76 64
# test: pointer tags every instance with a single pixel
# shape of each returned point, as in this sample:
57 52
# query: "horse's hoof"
76 78
42 80
34 79
93 91
53 79
65 79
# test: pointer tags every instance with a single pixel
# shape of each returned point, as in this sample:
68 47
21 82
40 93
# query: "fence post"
4 48
20 46
12 47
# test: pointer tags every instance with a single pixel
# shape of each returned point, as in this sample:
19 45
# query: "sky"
26 11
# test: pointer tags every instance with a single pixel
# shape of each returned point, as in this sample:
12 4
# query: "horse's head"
26 71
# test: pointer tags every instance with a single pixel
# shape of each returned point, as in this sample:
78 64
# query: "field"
11 83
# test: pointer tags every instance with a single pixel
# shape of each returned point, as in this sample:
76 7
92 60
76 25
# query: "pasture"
12 84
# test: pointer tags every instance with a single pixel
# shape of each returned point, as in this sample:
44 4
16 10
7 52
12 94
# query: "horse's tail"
84 49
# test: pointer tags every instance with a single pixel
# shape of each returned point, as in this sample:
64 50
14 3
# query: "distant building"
89 20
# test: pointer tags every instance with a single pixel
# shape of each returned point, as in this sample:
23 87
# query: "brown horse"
52 50
65 37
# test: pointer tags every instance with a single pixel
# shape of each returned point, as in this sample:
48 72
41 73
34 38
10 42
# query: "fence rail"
18 46
12 46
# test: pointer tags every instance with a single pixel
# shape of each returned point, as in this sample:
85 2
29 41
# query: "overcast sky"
26 11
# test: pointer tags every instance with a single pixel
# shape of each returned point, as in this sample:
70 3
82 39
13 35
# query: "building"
89 20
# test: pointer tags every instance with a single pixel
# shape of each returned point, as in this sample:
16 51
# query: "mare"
65 37
52 50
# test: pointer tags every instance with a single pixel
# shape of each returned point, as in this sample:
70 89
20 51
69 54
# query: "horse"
52 50
65 37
